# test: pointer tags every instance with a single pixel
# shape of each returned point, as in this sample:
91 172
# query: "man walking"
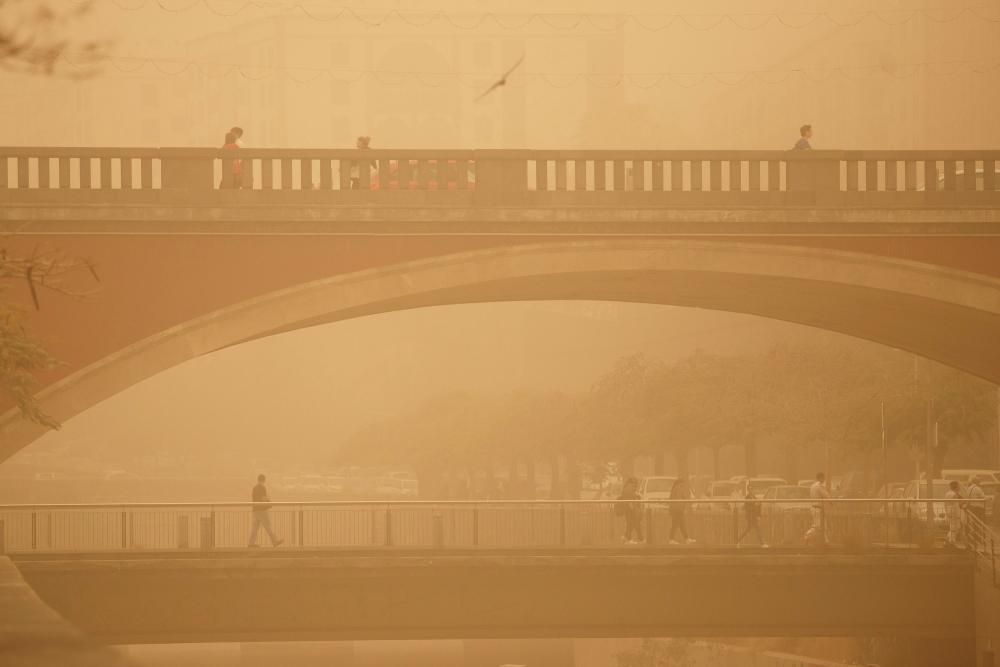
681 490
262 514
632 511
805 134
752 510
953 512
818 493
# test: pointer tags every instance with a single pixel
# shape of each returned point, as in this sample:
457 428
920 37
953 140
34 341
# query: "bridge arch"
943 314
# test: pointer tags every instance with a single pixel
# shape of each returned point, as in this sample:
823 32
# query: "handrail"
369 502
981 540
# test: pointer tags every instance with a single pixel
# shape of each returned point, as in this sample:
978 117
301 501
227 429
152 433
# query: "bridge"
864 243
164 573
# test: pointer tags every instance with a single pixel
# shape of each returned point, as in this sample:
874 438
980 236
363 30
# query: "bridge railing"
854 524
580 177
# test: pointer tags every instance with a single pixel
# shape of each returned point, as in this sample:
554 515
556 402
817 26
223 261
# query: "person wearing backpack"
632 511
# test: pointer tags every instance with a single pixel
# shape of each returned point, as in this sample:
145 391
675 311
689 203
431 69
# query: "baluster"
715 175
424 169
736 175
105 173
754 180
639 175
403 170
125 164
989 175
774 176
696 176
44 167
325 174
561 167
949 175
580 176
462 174
22 173
542 175
146 173
910 175
871 175
365 174
619 175
3 172
676 176
969 180
891 176
286 173
306 174
657 175
852 175
267 173
64 169
930 176
600 175
86 182
246 173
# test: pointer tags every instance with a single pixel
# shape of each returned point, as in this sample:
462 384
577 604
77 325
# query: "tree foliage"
39 38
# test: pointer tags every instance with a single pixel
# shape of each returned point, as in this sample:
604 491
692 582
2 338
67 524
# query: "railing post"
437 529
124 529
501 177
562 525
812 173
736 525
206 531
3 533
34 531
301 527
475 526
183 535
388 526
179 169
650 530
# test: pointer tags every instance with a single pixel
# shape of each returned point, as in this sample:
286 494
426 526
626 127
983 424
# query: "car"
916 491
656 488
798 498
758 485
719 490
966 475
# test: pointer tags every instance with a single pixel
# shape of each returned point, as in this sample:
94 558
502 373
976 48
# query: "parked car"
758 485
718 490
965 475
797 497
656 488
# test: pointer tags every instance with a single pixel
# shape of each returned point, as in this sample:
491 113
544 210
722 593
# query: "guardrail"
982 541
542 176
854 524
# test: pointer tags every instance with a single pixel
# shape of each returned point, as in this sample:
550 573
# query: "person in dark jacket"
681 490
632 511
751 508
262 513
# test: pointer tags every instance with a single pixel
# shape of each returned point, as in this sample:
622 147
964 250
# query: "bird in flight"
503 80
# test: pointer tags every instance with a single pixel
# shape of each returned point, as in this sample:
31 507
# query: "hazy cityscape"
499 334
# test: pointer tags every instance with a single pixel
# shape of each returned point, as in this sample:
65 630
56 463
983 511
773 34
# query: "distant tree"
21 356
37 38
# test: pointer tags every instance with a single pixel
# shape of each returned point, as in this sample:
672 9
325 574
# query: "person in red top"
232 173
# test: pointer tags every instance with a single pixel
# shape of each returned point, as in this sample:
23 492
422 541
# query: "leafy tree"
37 38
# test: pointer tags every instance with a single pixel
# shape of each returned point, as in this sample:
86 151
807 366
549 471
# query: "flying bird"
503 80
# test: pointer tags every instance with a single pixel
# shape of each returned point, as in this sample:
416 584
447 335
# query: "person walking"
751 508
262 514
977 508
818 493
953 512
362 144
805 134
632 511
681 490
232 170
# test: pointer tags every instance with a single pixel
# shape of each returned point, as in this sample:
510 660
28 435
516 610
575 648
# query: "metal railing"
712 524
980 539
718 177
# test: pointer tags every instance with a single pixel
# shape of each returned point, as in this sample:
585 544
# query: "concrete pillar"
186 169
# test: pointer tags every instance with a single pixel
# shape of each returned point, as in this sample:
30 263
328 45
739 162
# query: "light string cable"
644 80
566 21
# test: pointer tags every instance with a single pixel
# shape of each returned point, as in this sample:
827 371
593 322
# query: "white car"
656 488
966 475
798 498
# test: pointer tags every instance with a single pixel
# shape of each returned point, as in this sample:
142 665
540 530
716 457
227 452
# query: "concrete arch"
942 314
